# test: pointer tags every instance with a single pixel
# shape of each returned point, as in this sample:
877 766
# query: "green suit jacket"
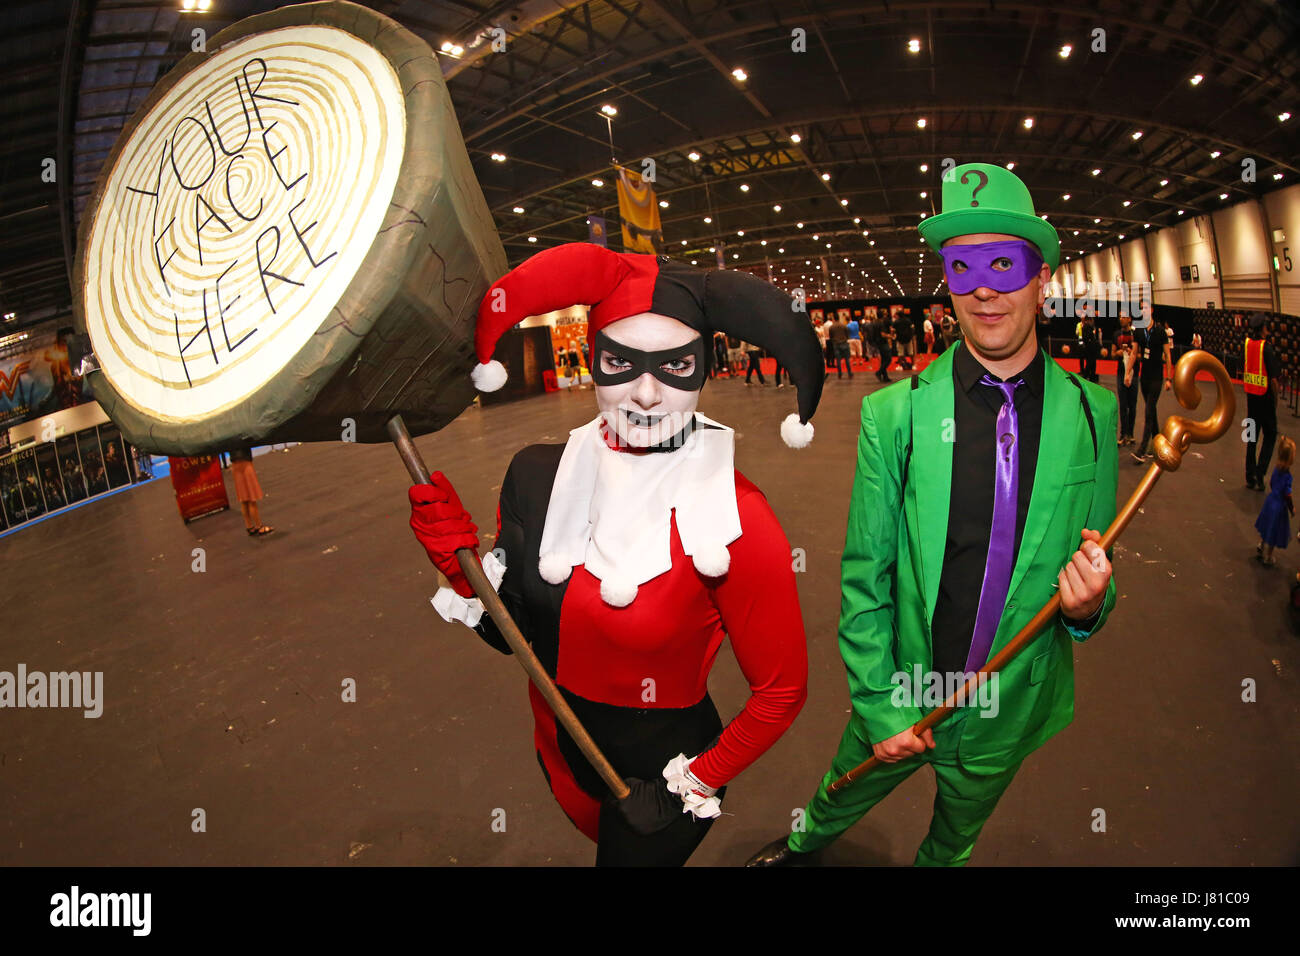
894 550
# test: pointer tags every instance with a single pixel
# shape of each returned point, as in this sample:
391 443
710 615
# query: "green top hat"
979 197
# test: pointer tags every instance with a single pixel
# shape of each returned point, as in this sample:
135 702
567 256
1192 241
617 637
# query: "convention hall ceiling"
1138 111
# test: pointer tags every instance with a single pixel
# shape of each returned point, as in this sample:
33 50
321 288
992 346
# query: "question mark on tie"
984 181
1006 440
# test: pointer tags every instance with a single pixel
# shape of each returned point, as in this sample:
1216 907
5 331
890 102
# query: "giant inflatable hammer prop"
288 243
1170 444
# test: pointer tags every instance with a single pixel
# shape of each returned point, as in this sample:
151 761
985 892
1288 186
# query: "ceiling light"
519 210
1215 155
781 249
923 194
598 183
920 123
1283 117
1064 51
1011 165
1181 211
914 45
1223 195
532 238
740 232
1164 182
1126 203
609 110
499 157
796 138
1029 122
1137 134
1065 196
1096 172
740 75
799 224
1096 220
708 219
1196 80
815 237
693 156
663 204
776 208
744 187
1277 175
826 177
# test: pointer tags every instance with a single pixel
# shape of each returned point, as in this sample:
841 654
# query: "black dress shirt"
970 511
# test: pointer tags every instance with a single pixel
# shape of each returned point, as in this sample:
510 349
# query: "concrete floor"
223 688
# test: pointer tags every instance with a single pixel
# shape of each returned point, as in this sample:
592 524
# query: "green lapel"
933 433
1060 427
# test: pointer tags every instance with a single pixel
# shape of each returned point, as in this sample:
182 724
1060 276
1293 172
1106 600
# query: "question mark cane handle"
1175 438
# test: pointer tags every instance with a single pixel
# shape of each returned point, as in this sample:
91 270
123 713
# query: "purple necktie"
1002 534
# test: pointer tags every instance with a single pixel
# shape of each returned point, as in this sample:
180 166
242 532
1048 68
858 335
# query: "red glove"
442 525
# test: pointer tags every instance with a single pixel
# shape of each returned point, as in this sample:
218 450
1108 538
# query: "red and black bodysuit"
637 676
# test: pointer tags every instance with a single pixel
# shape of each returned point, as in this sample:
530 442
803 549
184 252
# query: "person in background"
885 345
855 341
735 355
1274 521
1153 352
949 330
1126 381
248 490
719 363
1259 377
840 351
905 333
929 336
754 353
1090 351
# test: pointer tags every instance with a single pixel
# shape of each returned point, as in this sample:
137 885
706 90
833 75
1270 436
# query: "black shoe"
778 853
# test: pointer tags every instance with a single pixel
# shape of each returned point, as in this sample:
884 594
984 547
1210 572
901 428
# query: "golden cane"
1175 438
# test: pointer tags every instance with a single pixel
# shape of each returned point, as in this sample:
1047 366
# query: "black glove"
649 807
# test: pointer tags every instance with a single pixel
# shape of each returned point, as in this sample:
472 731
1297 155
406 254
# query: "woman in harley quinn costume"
635 548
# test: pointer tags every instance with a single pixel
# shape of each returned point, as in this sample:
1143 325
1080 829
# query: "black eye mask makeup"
641 362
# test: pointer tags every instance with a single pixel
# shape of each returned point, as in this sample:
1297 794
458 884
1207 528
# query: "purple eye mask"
1004 266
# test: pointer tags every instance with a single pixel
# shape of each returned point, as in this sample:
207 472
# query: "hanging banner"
200 489
596 231
642 231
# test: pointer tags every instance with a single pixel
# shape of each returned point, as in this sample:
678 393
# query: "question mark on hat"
984 181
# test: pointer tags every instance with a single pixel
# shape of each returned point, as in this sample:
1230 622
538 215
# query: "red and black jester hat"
615 285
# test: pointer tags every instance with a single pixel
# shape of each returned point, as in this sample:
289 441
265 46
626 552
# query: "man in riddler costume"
981 489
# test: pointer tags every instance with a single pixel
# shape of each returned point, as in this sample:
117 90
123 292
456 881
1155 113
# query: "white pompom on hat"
488 377
794 433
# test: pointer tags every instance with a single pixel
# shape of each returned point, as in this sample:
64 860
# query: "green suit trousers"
962 803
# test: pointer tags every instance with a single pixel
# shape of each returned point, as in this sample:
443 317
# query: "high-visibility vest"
1255 377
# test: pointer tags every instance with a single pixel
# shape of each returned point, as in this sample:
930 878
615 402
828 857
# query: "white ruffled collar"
611 510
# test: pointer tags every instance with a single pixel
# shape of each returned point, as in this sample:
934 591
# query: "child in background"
1273 523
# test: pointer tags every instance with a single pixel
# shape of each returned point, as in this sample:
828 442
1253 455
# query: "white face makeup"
645 411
